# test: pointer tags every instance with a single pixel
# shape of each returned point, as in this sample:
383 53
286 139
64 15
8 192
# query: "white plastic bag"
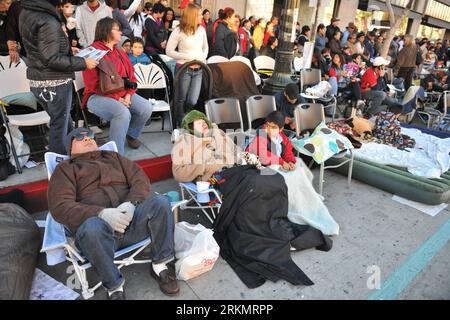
319 90
21 146
196 250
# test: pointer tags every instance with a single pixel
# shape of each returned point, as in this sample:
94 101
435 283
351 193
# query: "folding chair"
258 107
17 82
217 59
264 66
307 117
311 77
153 77
298 64
226 112
59 247
436 119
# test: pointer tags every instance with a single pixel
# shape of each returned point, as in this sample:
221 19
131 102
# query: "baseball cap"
335 19
380 61
292 91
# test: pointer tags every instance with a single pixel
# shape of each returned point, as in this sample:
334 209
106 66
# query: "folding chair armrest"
178 204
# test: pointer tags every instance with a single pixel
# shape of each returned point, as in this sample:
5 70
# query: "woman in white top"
188 42
136 18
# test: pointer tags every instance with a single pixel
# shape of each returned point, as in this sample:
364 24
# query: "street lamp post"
285 53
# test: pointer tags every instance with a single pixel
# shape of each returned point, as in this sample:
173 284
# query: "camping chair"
436 119
264 66
16 82
153 77
217 59
59 247
307 117
189 194
258 107
310 77
245 60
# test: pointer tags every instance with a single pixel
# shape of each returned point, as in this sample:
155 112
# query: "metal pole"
285 53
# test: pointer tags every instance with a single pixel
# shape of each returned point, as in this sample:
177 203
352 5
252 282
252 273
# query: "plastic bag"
196 250
19 144
319 90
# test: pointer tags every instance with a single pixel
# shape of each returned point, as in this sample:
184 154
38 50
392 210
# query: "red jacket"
244 38
216 23
262 146
123 66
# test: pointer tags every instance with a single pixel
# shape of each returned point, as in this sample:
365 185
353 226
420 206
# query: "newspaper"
91 52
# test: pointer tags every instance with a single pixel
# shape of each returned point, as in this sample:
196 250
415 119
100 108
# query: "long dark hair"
164 18
104 28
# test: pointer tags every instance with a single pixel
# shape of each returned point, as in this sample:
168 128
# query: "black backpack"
419 58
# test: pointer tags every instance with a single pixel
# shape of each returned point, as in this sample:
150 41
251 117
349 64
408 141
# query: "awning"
380 5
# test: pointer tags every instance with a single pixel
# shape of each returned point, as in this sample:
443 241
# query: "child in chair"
137 54
271 145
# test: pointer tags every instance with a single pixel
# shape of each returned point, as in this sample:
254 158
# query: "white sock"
117 290
159 267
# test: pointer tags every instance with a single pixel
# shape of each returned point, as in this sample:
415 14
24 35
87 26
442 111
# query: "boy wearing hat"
104 200
286 102
369 84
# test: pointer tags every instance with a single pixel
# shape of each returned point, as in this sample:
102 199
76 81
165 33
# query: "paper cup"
202 194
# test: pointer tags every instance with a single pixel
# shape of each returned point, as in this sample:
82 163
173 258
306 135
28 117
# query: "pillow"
322 144
361 125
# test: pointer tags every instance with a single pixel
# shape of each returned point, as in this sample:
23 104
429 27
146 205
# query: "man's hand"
14 56
115 218
127 208
91 63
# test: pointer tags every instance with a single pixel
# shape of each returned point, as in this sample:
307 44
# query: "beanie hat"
193 116
70 136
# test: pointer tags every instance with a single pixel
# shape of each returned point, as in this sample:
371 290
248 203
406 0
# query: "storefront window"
367 21
438 10
260 8
430 33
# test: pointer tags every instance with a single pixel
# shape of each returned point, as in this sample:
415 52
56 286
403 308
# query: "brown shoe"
133 143
167 281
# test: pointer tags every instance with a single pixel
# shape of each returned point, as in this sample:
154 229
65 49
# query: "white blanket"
429 159
305 204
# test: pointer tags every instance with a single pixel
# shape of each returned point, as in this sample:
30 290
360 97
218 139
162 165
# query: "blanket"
429 159
305 204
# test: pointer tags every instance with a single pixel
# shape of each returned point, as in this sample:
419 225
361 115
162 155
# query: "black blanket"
253 231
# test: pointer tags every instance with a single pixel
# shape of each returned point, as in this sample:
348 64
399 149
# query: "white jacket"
87 21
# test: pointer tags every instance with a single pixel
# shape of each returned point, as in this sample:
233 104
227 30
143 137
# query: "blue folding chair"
59 247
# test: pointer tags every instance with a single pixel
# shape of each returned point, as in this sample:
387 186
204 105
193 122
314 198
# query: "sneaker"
133 143
360 105
167 281
117 295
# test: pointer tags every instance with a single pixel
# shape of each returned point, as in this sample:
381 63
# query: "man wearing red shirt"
369 85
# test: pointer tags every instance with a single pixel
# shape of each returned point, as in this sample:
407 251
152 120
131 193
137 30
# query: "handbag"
109 79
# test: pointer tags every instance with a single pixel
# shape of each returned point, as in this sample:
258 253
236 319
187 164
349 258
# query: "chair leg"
170 122
13 149
322 169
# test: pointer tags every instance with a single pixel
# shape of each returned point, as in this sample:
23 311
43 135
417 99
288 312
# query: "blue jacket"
321 42
143 59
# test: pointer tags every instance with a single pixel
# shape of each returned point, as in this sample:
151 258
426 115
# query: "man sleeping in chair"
104 200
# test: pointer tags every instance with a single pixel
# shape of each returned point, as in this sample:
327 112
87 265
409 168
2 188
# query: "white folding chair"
298 64
59 247
247 62
16 82
217 59
153 77
264 66
309 116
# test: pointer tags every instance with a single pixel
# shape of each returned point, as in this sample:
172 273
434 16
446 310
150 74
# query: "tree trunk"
316 22
395 24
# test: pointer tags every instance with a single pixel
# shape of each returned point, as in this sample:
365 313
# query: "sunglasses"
81 136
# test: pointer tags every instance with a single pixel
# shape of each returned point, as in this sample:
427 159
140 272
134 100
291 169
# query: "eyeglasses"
81 136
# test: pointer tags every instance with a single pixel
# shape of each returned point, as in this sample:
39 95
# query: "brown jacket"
407 57
82 187
196 159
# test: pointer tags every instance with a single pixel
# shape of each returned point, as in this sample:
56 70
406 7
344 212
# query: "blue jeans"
124 121
57 101
97 240
334 86
377 98
26 99
190 84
